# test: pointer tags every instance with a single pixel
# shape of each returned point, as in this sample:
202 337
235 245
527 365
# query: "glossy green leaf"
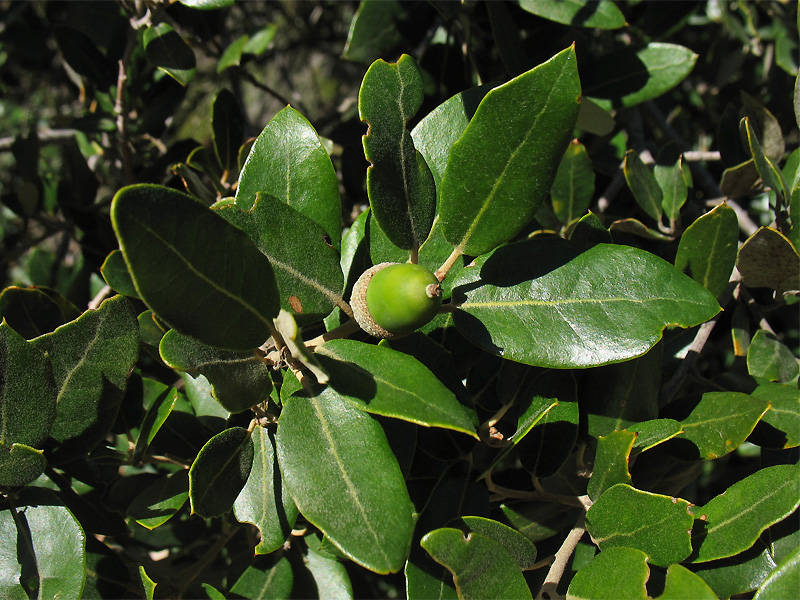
613 573
783 582
400 186
44 548
602 14
175 266
573 187
480 565
707 250
264 500
502 167
784 411
167 50
673 187
428 580
386 382
115 272
769 358
764 125
682 584
227 124
328 444
307 269
92 358
330 575
436 133
34 311
744 572
160 500
766 168
611 462
288 161
259 581
148 585
239 379
163 401
373 30
589 231
732 521
643 184
517 545
220 471
28 396
739 180
637 228
232 55
545 303
769 259
632 76
721 422
657 525
652 433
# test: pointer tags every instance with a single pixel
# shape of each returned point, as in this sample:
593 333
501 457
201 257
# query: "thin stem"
442 271
121 108
556 572
344 330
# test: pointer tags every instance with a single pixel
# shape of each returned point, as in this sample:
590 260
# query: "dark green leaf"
652 433
159 501
611 462
332 446
373 30
45 547
721 422
180 254
330 575
163 401
744 572
232 55
636 227
288 161
115 272
239 379
631 76
521 548
307 268
28 397
383 381
769 259
502 167
613 573
480 566
708 247
589 231
220 471
673 187
783 582
573 186
764 126
264 500
766 168
784 411
228 126
34 311
543 302
657 525
739 180
10 562
769 358
274 582
682 584
602 14
167 50
82 55
92 358
436 133
643 184
401 190
731 522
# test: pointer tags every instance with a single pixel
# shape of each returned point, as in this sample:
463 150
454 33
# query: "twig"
95 302
565 552
345 329
442 271
121 109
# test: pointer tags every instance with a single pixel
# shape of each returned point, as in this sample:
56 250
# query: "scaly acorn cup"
390 300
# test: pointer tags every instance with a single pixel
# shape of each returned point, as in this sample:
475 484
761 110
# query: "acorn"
390 300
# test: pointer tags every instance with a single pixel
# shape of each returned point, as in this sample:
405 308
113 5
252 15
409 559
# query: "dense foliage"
606 403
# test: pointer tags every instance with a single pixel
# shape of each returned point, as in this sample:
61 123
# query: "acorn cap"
358 302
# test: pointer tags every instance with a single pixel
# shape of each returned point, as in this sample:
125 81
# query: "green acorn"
390 300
